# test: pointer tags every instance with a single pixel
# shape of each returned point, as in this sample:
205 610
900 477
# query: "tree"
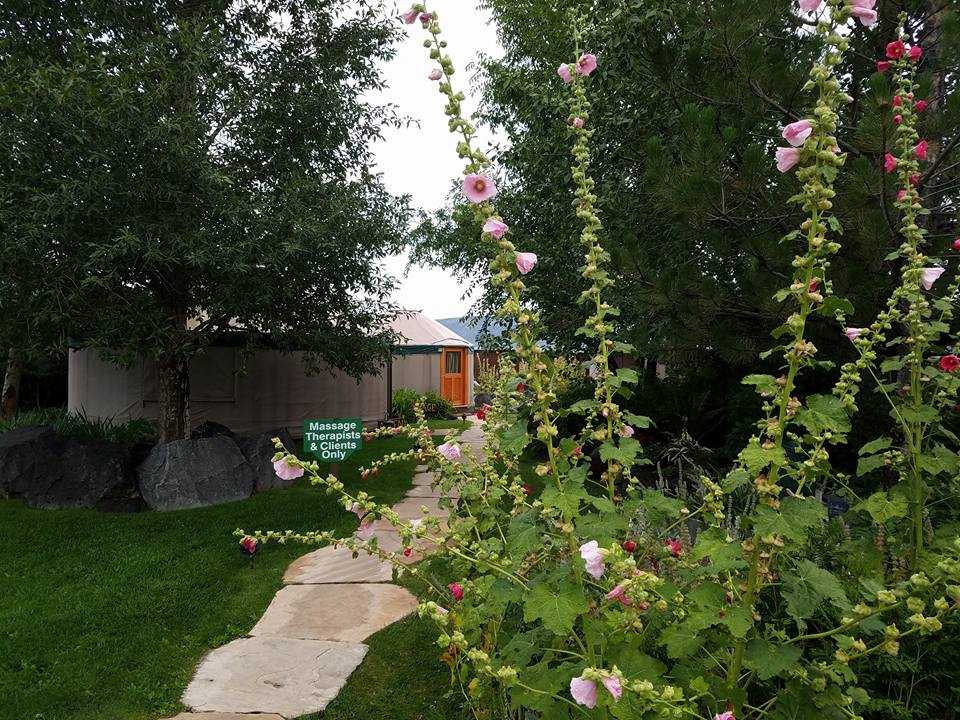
182 169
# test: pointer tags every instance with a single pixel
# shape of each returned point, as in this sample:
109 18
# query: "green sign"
332 440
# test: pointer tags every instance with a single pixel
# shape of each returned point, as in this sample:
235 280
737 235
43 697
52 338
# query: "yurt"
272 390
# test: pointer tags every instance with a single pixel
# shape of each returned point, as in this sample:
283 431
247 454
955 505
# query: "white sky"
422 161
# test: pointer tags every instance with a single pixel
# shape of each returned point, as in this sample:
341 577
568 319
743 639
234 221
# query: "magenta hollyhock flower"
728 715
578 122
584 691
628 431
286 471
675 548
620 594
593 556
796 133
883 66
248 545
949 363
809 5
930 275
456 591
495 227
587 63
897 102
564 72
478 188
920 105
956 244
853 333
787 158
898 119
450 451
426 17
526 261
896 50
915 179
366 529
901 195
410 16
920 150
915 53
435 74
889 163
613 686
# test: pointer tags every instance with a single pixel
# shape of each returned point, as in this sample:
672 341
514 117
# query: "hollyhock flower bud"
584 691
564 72
575 452
526 261
456 591
578 122
898 119
896 50
248 545
796 133
628 431
920 105
619 593
814 284
787 158
495 227
435 74
612 684
629 546
920 150
728 715
587 63
426 17
809 5
449 451
901 195
675 547
915 53
883 66
407 552
478 188
889 163
930 275
897 102
593 556
285 471
410 16
853 333
363 475
521 387
956 244
527 489
949 363
915 179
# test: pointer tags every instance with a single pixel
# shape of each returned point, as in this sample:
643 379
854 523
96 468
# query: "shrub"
403 401
129 432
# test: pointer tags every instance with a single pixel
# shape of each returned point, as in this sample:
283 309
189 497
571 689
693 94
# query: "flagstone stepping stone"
272 675
424 479
411 508
421 468
343 613
225 716
424 491
337 565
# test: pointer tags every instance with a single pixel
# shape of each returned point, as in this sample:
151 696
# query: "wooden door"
453 376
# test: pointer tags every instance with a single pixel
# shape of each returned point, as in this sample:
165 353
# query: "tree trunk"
174 417
11 383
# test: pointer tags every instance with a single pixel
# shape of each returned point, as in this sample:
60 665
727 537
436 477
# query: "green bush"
435 407
403 402
79 425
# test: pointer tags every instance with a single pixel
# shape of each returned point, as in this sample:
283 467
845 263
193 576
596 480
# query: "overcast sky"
422 162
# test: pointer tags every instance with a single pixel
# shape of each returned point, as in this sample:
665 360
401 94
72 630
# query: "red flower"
889 163
949 363
883 66
915 179
521 387
920 150
527 489
629 546
915 53
674 547
920 105
896 50
456 591
363 475
956 244
897 102
248 545
407 552
575 452
812 287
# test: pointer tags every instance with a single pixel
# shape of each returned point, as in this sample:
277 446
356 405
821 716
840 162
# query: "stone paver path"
301 652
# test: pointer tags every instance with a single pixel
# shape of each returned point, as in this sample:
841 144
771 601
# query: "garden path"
301 652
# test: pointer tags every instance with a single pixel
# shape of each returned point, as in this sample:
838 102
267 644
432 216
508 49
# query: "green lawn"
104 616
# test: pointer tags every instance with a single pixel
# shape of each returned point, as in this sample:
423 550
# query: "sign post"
332 440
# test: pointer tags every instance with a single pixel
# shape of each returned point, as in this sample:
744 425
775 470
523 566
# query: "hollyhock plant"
896 50
248 546
587 63
628 431
920 150
889 163
796 133
584 691
578 122
526 261
286 471
593 555
956 244
478 188
367 528
564 72
495 227
787 158
950 363
897 102
629 546
674 547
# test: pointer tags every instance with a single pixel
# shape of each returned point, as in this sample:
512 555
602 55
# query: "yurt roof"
423 335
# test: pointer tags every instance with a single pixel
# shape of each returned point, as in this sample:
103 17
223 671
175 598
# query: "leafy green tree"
175 170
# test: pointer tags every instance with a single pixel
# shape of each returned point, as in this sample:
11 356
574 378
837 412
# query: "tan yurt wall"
418 372
100 389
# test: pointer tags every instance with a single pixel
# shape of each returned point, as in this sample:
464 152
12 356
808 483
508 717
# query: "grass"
104 616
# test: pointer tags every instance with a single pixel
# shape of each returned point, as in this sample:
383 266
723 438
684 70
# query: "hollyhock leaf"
681 641
757 458
515 438
824 412
738 619
633 663
523 535
763 383
659 507
770 660
881 507
558 606
734 480
640 421
806 587
567 500
873 446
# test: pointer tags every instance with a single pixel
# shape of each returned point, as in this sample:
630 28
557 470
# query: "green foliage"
434 406
403 401
130 432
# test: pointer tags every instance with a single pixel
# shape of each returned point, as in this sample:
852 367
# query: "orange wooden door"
453 376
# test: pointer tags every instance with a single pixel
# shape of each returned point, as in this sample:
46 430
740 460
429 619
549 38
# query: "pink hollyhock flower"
896 50
813 285
915 179
674 547
612 684
901 195
897 102
366 529
883 66
578 122
898 119
728 715
564 72
426 17
593 556
286 471
920 150
930 275
526 262
853 333
410 16
478 188
915 53
619 593
249 545
414 524
787 158
587 63
449 451
442 610
357 510
956 244
495 227
456 591
920 105
584 691
809 5
628 431
866 15
796 133
435 74
889 163
949 363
